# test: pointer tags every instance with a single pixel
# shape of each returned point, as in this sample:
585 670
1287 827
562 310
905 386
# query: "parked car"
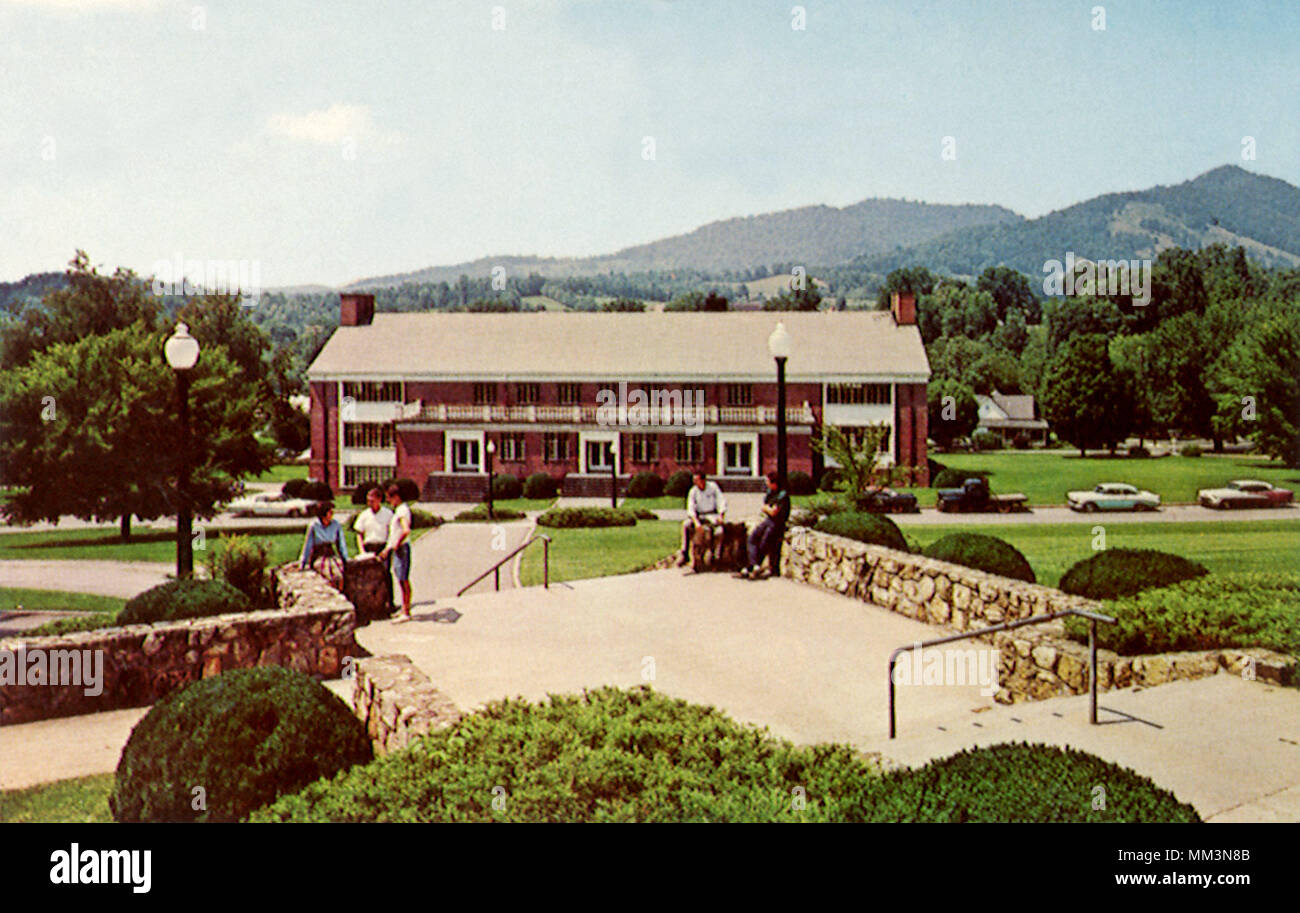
1112 496
974 497
1244 493
270 504
887 501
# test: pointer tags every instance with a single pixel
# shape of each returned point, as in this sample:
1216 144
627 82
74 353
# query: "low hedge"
245 736
572 517
1118 572
953 478
983 553
643 513
679 483
645 485
612 755
422 519
1206 613
870 528
540 486
183 598
480 512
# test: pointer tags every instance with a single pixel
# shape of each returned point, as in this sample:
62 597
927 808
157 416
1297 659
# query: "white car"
270 504
1112 496
1244 493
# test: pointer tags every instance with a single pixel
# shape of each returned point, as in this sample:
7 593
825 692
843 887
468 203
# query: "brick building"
581 395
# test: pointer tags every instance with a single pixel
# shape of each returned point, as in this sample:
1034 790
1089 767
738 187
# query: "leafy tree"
1083 397
856 456
623 305
1264 363
953 411
1013 334
1012 293
1080 316
808 298
915 279
1133 358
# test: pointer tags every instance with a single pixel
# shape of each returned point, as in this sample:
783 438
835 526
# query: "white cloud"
330 125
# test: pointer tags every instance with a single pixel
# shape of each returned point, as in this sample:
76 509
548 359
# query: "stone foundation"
1036 661
397 702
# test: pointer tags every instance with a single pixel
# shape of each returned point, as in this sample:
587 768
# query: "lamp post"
613 478
182 352
779 345
491 450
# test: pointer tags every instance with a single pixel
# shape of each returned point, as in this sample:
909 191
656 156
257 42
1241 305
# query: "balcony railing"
588 414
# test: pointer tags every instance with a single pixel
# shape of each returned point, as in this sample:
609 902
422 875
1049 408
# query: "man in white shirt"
399 547
371 527
704 503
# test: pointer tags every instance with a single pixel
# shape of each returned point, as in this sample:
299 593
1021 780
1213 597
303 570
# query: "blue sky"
331 141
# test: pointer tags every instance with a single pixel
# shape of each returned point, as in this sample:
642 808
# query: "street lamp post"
182 352
613 478
491 450
779 345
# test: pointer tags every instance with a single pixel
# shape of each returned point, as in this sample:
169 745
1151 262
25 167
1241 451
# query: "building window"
857 434
557 447
374 392
369 476
528 394
511 448
643 448
688 451
600 456
740 394
464 455
485 394
368 435
737 458
858 395
568 394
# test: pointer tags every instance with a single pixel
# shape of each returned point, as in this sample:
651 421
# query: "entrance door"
600 456
464 456
737 458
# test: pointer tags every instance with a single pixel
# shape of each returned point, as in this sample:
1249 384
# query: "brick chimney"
903 304
356 310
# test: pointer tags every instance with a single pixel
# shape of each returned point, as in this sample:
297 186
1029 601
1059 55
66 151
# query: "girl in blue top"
324 537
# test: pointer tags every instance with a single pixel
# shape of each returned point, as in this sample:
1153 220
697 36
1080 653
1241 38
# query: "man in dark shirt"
766 538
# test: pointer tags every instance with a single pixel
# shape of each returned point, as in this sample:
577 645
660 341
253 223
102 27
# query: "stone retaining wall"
397 702
311 631
1036 661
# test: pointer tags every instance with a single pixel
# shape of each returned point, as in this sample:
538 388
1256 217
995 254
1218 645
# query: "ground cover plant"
80 800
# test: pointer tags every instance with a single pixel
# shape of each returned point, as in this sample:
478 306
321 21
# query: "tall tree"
1083 397
953 411
1257 383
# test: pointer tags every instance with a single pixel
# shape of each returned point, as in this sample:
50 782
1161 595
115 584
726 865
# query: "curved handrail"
546 564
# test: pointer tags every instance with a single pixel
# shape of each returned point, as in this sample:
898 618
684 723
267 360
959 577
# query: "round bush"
1137 450
183 598
407 488
317 491
645 485
540 486
1124 571
678 484
984 553
953 478
507 487
870 528
800 483
830 480
293 488
984 440
1190 450
246 737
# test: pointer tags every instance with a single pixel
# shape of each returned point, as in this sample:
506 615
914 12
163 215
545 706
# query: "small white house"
1009 416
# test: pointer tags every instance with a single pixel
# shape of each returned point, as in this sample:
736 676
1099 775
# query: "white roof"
828 345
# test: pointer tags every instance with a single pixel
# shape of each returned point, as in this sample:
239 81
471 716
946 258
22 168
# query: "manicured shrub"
1021 441
935 468
183 598
1137 450
507 487
294 488
678 484
799 483
422 519
1189 450
480 512
241 562
571 517
830 480
610 755
645 485
642 513
1223 610
984 553
1120 572
539 486
870 528
1020 782
246 737
953 478
317 491
984 440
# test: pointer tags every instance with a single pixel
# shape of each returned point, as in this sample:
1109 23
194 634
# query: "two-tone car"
270 504
1112 496
1244 493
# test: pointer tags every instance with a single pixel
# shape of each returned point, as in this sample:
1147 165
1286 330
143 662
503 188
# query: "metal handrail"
1092 617
496 568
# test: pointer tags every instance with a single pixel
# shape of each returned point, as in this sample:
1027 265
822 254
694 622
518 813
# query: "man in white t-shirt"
371 527
398 547
704 504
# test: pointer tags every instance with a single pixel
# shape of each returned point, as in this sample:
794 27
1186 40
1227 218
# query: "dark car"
887 501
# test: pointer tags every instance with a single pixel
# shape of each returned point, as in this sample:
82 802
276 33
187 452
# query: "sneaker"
742 574
401 619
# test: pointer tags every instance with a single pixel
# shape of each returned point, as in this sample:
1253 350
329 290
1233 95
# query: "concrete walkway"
49 750
123 579
811 666
445 559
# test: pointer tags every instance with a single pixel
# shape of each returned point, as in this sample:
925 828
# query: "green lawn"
283 473
1266 545
1045 476
56 601
581 553
83 800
